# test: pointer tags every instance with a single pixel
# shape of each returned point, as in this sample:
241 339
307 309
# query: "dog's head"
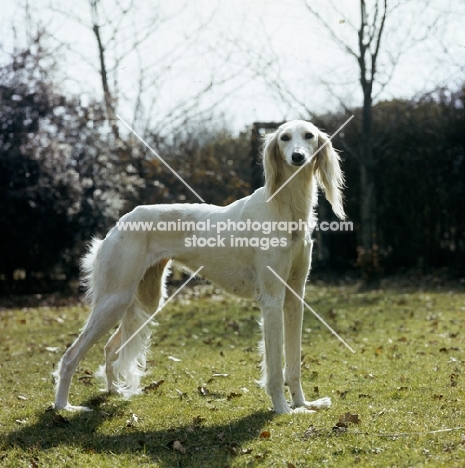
299 146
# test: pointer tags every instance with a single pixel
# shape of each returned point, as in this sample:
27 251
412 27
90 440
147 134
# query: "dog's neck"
298 197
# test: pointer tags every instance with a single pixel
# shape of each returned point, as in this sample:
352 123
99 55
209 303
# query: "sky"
267 60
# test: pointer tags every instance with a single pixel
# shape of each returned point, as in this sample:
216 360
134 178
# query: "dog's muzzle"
298 157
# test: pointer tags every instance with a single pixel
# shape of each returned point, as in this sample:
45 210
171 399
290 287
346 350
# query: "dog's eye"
285 137
308 136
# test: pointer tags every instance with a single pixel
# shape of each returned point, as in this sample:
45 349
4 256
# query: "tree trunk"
368 254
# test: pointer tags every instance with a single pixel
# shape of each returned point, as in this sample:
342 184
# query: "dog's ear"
272 164
329 174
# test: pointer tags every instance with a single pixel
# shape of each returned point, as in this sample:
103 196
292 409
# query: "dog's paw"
73 409
321 403
282 407
302 410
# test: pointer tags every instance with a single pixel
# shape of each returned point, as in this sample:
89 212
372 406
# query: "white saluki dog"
126 271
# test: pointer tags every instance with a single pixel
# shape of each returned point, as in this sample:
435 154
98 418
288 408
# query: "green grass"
405 381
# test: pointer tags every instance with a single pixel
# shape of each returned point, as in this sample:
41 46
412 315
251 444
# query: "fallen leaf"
265 435
340 427
152 386
21 397
86 380
290 465
59 420
181 394
178 447
203 391
349 418
453 380
310 432
197 421
132 421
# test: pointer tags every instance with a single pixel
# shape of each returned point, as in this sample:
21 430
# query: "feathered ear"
272 163
329 174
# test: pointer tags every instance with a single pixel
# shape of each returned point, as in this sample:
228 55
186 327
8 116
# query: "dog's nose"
297 157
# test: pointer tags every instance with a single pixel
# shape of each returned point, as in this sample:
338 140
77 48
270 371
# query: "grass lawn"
399 401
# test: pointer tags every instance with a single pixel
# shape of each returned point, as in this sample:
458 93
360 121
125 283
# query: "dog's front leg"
272 314
293 314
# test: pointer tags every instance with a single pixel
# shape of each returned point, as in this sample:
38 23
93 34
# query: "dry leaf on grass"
265 435
86 380
174 359
153 386
132 421
203 391
197 421
349 418
344 421
311 432
233 450
181 395
59 420
176 446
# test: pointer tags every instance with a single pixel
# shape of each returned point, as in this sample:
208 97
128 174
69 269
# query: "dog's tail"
88 264
130 363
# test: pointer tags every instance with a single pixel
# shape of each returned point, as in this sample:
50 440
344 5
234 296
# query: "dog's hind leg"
105 315
124 369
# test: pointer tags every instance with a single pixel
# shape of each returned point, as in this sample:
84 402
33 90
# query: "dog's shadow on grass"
194 444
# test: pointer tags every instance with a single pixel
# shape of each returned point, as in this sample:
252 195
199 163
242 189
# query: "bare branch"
374 56
330 31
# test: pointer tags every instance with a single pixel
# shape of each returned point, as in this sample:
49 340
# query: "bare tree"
372 38
131 35
375 40
370 33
